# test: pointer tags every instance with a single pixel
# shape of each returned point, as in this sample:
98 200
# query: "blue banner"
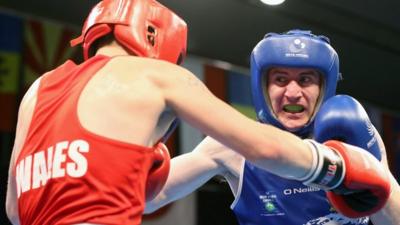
11 28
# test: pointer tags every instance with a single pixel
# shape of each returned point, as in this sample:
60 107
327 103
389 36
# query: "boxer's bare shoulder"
159 71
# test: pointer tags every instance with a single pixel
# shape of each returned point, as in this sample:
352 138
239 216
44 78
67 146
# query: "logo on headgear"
295 48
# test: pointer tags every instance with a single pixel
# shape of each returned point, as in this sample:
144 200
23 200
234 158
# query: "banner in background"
239 93
391 137
231 87
28 48
10 61
46 46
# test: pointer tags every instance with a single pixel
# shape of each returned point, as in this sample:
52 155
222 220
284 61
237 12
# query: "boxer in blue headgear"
295 49
281 66
308 54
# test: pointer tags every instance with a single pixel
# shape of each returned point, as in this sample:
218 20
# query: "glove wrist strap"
327 171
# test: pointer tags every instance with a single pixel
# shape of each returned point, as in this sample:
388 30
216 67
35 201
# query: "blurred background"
34 38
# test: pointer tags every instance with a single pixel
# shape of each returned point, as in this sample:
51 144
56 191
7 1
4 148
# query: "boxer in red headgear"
145 28
89 155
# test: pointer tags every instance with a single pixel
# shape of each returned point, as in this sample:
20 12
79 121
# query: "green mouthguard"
293 108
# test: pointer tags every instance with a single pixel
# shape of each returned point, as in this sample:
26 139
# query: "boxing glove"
357 184
343 118
158 173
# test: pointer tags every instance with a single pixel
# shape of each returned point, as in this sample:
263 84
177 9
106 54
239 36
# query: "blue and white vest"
266 199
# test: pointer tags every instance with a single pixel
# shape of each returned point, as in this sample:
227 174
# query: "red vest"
66 174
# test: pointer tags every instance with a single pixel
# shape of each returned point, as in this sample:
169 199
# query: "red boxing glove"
357 185
366 176
158 173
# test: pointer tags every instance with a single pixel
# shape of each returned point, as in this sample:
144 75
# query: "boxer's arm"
390 213
24 119
11 198
264 145
190 171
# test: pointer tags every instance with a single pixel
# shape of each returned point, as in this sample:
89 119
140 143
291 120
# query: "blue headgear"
296 48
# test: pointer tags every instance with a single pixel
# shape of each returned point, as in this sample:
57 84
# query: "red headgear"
144 27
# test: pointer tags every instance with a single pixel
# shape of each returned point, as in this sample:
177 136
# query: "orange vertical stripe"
388 139
215 80
8 112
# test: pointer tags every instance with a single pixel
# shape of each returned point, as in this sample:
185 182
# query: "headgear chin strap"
296 48
144 27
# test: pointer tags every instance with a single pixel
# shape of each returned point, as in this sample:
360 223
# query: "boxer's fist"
366 185
343 118
357 184
158 173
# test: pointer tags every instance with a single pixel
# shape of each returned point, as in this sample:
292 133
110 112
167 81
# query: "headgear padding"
295 48
144 27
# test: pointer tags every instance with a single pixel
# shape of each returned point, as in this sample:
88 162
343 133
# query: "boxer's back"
66 164
124 102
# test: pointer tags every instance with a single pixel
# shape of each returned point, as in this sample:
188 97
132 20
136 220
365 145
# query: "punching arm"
266 146
389 215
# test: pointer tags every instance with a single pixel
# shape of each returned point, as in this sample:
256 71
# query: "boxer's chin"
293 123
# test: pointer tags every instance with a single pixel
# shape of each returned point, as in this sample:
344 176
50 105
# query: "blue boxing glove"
343 118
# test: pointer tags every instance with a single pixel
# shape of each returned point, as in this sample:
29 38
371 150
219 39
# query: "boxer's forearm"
11 201
11 205
288 156
389 215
